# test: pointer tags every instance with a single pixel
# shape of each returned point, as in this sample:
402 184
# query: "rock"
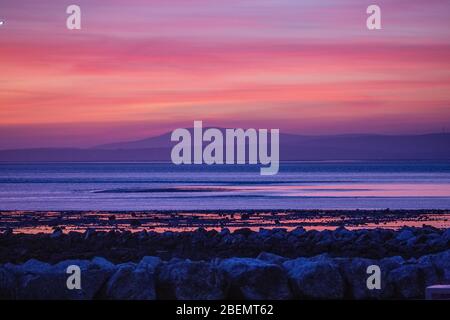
446 235
429 274
247 278
292 240
40 281
89 233
362 240
271 258
315 279
130 283
199 236
342 233
226 240
243 231
441 263
245 216
264 233
279 233
390 263
149 264
102 263
135 223
191 280
7 284
224 232
126 264
31 266
355 274
237 239
299 231
142 235
56 288
57 233
407 282
405 235
61 267
324 245
254 279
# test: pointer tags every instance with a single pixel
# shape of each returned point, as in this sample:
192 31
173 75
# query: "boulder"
407 282
343 233
57 233
429 274
318 278
405 235
7 284
446 236
89 233
33 266
255 279
224 232
142 235
441 263
298 232
61 267
40 281
102 263
389 263
264 233
355 274
271 258
191 280
130 283
149 264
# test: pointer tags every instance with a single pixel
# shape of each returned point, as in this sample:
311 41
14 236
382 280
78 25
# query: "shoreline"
33 222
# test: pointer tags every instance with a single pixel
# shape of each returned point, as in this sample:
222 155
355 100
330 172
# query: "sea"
165 186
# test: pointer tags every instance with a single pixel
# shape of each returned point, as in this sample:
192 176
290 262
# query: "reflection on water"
163 186
353 190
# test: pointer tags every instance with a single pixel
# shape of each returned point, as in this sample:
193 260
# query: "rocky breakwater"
268 276
268 264
206 245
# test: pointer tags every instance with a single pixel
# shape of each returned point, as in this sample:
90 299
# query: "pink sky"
140 68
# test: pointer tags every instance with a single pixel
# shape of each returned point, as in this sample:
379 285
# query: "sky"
142 68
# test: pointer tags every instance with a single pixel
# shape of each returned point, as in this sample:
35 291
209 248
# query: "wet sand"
32 222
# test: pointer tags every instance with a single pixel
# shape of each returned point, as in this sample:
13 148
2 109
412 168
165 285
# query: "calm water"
302 185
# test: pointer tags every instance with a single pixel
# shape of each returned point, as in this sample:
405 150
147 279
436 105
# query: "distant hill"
292 147
162 141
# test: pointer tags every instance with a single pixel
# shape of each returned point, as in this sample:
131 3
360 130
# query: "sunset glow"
140 68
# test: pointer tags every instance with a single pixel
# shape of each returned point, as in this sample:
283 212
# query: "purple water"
163 186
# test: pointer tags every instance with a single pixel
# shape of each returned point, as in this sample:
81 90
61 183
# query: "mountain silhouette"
292 147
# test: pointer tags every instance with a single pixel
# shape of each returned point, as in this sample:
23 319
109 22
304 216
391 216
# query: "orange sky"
139 68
